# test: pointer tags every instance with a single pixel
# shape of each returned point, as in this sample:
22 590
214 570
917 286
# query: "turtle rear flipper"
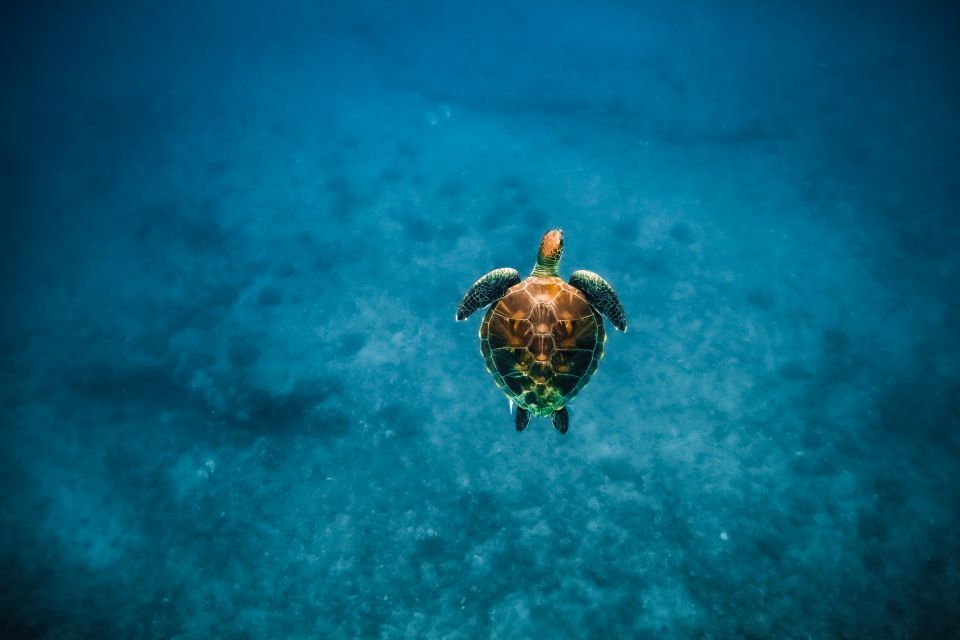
486 291
523 419
601 296
561 420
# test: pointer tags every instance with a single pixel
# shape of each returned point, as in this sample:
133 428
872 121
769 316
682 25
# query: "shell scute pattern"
542 341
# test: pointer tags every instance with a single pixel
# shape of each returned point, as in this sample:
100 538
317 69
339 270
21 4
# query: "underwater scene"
236 402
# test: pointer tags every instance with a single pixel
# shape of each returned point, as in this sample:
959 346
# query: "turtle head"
551 249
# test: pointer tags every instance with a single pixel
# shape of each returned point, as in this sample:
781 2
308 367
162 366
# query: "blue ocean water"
235 402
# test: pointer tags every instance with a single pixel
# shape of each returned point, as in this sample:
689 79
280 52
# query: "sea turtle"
543 338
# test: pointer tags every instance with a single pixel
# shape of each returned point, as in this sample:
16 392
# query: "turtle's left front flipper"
487 290
601 296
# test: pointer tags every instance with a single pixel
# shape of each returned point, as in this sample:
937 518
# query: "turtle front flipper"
561 420
523 418
486 291
601 296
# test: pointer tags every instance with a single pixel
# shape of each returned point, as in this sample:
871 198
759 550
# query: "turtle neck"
545 267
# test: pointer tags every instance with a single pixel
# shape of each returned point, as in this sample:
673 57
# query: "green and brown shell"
541 342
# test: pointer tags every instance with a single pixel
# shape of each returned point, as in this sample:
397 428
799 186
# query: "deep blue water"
235 403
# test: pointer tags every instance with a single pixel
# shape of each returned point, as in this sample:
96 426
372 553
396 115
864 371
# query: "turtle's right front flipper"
601 296
486 291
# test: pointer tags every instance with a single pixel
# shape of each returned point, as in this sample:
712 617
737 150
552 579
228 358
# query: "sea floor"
236 404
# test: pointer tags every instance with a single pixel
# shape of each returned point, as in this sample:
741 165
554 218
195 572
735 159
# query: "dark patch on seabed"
234 400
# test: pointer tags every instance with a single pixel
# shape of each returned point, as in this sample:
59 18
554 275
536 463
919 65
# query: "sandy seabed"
235 404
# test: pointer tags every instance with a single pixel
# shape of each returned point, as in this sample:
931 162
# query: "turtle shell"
542 341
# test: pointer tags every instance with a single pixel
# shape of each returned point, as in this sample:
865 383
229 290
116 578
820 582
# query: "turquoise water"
235 401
